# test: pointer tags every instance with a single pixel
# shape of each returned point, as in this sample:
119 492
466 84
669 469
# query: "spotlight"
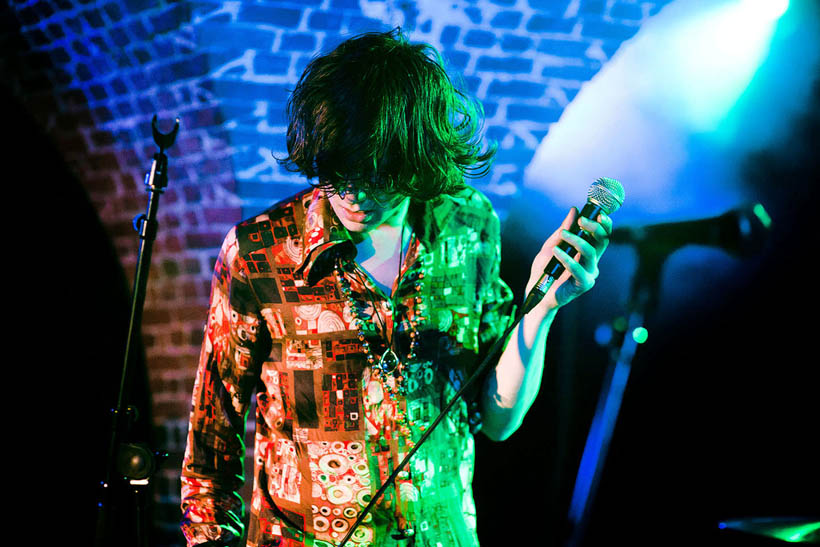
766 9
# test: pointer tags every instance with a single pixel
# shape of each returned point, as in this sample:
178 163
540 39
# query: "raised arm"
511 388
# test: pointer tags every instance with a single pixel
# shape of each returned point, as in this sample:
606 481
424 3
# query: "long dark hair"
381 114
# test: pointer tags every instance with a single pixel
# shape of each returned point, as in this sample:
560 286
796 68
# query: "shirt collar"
325 238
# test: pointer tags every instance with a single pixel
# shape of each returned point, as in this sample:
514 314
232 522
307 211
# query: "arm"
213 466
512 386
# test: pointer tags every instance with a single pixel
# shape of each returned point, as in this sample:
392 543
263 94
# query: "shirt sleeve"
496 298
234 345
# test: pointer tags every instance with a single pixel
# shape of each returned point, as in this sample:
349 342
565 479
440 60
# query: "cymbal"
791 529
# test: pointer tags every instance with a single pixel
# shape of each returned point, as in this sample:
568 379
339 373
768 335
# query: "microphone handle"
590 211
554 268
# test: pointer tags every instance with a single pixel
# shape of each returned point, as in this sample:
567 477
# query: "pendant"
388 361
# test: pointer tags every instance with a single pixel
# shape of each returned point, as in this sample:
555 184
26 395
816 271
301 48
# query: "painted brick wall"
94 73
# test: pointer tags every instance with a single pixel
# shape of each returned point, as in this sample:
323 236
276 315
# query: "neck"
380 251
381 246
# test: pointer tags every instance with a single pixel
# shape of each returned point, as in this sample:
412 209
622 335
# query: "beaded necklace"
389 368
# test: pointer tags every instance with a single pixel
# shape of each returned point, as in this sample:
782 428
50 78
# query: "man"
356 309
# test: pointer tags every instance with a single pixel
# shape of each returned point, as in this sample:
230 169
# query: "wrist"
538 319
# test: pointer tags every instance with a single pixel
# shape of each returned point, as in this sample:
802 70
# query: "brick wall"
94 73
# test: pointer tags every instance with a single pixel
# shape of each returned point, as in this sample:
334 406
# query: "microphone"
740 231
605 195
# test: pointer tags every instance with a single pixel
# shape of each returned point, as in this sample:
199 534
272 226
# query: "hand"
580 272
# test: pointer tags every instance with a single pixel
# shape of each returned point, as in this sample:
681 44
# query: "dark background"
720 414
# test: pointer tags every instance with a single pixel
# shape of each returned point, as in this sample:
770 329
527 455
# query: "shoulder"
279 221
469 197
468 207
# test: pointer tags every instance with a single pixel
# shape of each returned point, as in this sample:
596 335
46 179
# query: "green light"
792 530
640 335
798 534
760 213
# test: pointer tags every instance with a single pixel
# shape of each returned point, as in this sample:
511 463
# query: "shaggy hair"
381 115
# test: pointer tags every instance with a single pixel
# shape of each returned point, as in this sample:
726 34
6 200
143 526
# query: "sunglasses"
381 197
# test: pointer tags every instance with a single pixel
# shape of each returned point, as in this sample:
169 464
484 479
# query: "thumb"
566 224
569 220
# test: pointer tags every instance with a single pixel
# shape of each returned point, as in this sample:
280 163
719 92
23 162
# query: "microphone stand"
742 231
131 462
499 343
623 345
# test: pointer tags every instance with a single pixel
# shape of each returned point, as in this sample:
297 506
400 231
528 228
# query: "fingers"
593 244
588 253
582 275
584 267
600 229
582 270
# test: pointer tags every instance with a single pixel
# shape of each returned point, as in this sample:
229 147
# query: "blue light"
671 112
603 334
713 59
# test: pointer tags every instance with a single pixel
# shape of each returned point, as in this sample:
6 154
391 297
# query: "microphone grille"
608 193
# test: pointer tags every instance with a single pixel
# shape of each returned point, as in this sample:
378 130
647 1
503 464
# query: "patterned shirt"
295 320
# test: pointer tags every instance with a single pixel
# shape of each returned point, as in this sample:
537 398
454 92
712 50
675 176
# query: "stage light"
678 104
767 9
712 58
640 335
761 213
789 529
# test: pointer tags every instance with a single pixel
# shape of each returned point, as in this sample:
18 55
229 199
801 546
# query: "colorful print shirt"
292 319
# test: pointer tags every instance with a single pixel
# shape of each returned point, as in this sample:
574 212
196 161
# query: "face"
361 213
